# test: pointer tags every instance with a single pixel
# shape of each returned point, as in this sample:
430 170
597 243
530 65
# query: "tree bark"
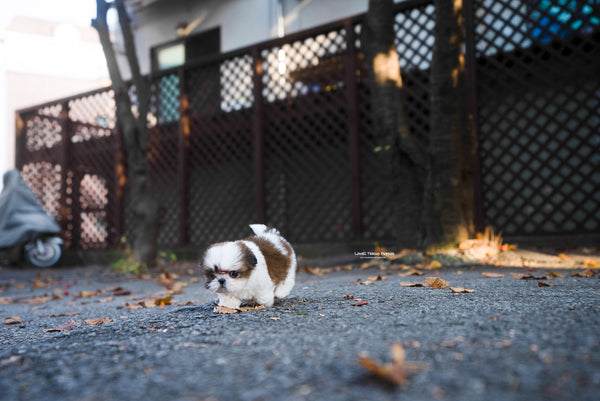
448 197
400 153
134 130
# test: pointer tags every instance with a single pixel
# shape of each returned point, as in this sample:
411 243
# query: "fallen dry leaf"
373 279
522 276
147 304
5 301
542 284
348 296
62 314
411 272
586 273
13 320
10 360
227 310
250 308
366 265
177 286
412 284
492 275
319 271
400 254
399 267
35 300
87 294
184 303
436 282
38 283
554 274
161 302
590 263
563 256
166 280
98 322
394 373
432 265
461 290
360 303
70 325
129 306
119 292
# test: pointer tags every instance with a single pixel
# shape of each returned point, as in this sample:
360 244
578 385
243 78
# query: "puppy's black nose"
222 282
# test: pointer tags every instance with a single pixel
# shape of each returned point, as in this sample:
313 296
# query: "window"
177 53
186 49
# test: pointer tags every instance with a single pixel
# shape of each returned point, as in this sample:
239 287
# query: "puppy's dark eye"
233 274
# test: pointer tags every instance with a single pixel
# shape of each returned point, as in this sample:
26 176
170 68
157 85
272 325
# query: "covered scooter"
25 227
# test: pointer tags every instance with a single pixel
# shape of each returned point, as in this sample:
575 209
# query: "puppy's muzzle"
222 282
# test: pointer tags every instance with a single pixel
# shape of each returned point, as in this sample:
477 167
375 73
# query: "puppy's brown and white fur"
258 268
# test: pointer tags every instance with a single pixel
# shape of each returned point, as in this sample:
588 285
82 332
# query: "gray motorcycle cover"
22 218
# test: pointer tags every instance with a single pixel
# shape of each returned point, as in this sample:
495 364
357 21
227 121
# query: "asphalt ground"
510 339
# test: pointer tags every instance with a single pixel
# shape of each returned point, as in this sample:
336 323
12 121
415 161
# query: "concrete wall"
242 22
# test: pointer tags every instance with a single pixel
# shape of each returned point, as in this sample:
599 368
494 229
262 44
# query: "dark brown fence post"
20 141
183 171
63 161
258 135
117 211
353 135
471 85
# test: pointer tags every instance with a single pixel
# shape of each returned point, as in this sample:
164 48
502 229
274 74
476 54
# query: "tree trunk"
134 131
401 156
448 197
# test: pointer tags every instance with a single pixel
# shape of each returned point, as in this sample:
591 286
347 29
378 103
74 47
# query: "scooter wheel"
42 253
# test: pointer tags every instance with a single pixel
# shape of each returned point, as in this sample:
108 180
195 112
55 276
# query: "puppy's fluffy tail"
263 229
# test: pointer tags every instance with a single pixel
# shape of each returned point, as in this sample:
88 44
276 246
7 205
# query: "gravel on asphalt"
509 339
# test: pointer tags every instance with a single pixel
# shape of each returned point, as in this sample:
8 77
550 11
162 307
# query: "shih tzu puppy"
259 268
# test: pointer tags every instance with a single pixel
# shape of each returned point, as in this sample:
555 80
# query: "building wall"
242 22
73 62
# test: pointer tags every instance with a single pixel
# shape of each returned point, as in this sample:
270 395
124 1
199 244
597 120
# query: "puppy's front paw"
229 302
267 300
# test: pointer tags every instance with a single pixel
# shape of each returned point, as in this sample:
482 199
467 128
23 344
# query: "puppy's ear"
249 259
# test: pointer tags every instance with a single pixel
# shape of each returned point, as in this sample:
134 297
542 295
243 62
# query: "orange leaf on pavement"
98 322
586 273
436 282
412 284
394 372
70 325
461 290
411 272
13 320
492 275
